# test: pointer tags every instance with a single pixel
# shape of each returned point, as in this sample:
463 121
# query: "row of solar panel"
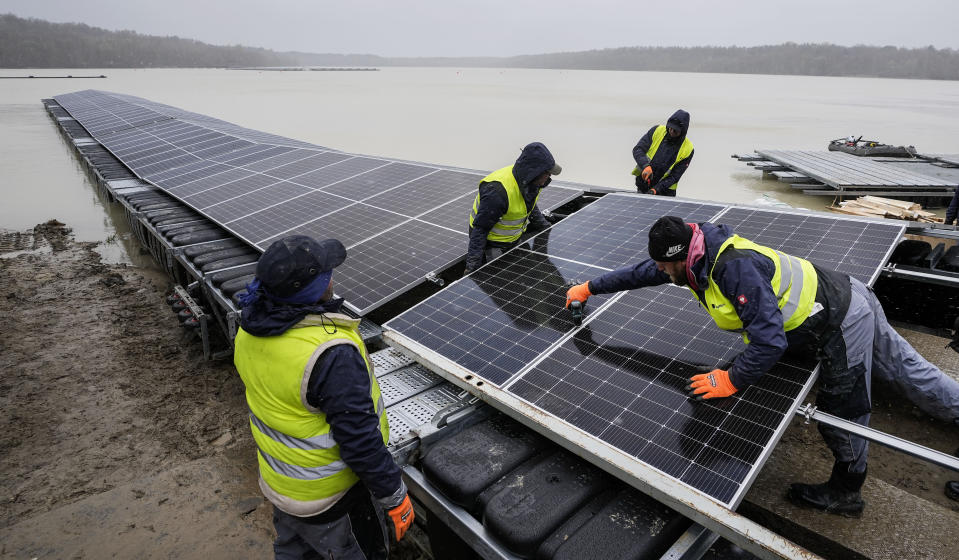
400 221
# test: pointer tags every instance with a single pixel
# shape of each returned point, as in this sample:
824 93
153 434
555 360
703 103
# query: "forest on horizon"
34 43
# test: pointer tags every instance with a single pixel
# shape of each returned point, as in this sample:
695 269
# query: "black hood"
532 162
680 119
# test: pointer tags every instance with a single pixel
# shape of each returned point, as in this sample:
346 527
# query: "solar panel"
350 224
620 378
849 246
261 186
501 317
423 194
613 231
286 216
397 260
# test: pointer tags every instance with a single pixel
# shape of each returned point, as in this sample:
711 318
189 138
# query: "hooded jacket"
534 160
664 156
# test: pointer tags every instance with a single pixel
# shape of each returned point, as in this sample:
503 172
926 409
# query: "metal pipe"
933 277
809 412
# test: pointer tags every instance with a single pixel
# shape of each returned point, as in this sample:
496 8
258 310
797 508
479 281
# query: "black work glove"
641 186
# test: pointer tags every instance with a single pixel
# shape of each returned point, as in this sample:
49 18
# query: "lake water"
479 118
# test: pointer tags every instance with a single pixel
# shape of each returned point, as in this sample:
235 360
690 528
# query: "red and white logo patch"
742 300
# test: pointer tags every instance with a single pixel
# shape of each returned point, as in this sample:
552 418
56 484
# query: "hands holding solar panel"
779 302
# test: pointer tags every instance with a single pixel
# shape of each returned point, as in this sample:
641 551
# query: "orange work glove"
647 173
579 292
401 517
710 385
653 191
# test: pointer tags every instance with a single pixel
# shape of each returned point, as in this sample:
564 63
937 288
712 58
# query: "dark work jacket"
664 157
750 276
494 202
340 387
953 210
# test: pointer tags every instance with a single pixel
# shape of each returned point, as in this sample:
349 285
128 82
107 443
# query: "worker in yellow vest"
316 411
662 156
782 302
506 205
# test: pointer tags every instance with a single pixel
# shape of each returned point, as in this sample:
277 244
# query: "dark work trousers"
857 332
358 535
873 346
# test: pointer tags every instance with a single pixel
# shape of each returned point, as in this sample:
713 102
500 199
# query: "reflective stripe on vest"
684 150
299 459
512 224
794 284
303 473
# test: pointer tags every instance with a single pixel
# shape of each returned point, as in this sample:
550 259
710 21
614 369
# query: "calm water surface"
479 118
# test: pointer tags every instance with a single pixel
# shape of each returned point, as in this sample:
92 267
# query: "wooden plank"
892 202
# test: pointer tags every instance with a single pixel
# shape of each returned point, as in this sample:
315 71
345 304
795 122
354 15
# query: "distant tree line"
33 43
788 58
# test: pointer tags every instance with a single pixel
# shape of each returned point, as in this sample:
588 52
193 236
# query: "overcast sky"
511 27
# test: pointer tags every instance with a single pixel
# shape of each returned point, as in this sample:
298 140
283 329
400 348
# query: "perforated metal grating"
388 360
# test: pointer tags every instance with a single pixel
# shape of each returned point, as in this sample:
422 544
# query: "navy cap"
669 239
292 263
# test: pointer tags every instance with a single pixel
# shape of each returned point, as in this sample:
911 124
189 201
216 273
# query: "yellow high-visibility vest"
301 471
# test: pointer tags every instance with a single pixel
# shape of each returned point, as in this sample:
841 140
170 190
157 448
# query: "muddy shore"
118 440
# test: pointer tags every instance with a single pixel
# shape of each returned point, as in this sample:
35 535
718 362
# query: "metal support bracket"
909 448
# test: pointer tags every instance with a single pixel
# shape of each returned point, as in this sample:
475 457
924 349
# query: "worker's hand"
401 517
652 191
710 385
647 173
579 292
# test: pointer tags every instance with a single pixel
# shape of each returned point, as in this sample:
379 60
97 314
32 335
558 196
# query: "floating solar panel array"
400 221
620 377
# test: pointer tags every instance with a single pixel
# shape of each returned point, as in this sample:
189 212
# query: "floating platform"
841 175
